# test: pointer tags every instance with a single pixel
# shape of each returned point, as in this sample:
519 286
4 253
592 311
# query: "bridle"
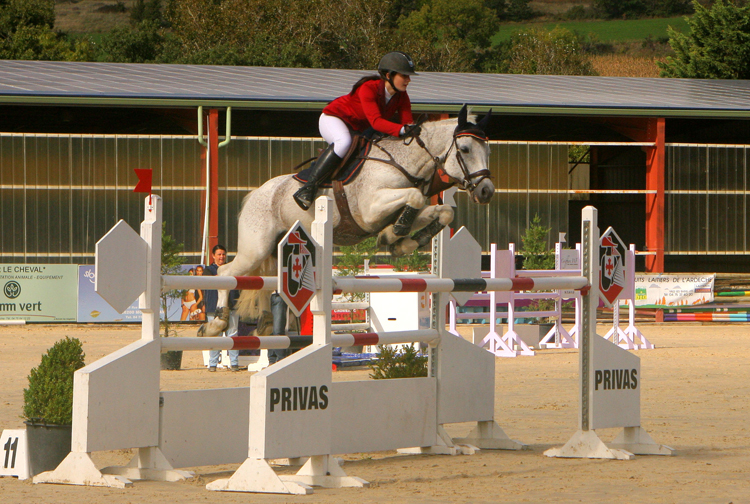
468 183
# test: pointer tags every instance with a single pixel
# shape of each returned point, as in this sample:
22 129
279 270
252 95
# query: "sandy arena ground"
695 397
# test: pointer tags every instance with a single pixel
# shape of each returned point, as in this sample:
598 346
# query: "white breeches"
336 132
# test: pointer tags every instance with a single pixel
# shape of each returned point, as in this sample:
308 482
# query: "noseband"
468 183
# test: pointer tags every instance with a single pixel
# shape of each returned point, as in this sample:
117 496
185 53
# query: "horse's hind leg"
430 221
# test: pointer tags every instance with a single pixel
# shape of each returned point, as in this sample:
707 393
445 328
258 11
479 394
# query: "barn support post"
655 179
652 130
213 186
210 176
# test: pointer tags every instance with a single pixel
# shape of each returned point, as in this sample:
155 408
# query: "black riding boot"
326 163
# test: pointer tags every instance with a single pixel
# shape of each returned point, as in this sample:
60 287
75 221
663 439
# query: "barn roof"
166 85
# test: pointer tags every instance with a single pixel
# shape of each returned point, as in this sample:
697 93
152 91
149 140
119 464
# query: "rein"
415 181
467 183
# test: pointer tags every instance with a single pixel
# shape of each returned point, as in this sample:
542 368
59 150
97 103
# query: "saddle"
350 164
348 232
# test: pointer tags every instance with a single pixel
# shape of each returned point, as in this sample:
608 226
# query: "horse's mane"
429 126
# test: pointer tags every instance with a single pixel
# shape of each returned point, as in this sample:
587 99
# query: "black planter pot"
171 360
48 445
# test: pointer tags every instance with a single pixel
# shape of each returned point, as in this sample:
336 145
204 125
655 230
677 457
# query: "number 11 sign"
14 459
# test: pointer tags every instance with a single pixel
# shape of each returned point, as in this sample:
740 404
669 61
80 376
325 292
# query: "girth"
347 232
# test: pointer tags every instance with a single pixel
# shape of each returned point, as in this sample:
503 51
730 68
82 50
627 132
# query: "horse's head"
466 161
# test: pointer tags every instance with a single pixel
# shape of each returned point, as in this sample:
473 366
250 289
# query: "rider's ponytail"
361 81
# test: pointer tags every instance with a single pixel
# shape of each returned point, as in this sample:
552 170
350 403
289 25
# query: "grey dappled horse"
394 179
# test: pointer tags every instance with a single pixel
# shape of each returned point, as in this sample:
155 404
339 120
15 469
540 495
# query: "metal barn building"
668 157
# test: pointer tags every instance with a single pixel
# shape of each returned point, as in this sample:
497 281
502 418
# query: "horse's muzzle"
483 193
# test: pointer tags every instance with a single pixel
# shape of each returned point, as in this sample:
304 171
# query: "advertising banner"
93 308
38 292
667 289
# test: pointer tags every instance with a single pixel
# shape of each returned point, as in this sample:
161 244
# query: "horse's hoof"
223 313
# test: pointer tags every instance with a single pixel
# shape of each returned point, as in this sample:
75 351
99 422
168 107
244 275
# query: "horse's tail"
252 303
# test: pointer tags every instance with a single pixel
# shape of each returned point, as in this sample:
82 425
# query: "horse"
393 181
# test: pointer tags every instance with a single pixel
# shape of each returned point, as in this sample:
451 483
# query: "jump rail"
284 342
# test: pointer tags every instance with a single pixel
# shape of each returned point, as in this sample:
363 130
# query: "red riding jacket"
366 107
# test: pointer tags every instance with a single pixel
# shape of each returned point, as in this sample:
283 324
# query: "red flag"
144 180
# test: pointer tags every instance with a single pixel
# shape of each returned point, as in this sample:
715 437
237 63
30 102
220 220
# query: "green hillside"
606 31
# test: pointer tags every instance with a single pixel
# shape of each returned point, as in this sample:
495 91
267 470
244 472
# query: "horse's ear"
482 125
462 114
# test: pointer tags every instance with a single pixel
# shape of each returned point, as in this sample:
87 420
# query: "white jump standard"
610 377
118 404
295 408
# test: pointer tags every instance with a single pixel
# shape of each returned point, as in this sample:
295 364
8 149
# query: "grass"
606 31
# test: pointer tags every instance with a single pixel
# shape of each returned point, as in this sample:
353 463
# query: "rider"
374 101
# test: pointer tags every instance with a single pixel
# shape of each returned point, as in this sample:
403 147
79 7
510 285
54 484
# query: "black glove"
411 130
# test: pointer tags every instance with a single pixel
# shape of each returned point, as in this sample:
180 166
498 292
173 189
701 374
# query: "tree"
518 10
399 9
17 13
716 47
26 33
554 52
146 10
510 10
282 33
352 260
141 44
171 264
444 35
536 254
615 9
671 7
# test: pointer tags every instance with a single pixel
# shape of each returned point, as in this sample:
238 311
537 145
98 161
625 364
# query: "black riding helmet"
396 61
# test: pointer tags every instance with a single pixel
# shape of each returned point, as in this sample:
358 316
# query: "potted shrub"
171 264
392 364
48 405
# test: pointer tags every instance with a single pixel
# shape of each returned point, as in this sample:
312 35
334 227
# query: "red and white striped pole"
179 282
283 342
434 284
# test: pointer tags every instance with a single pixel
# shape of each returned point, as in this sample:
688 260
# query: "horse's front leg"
219 323
430 221
240 266
385 203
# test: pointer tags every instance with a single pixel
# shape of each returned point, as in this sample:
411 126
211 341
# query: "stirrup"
305 195
405 220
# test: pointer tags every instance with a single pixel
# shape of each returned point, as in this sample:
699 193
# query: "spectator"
219 257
